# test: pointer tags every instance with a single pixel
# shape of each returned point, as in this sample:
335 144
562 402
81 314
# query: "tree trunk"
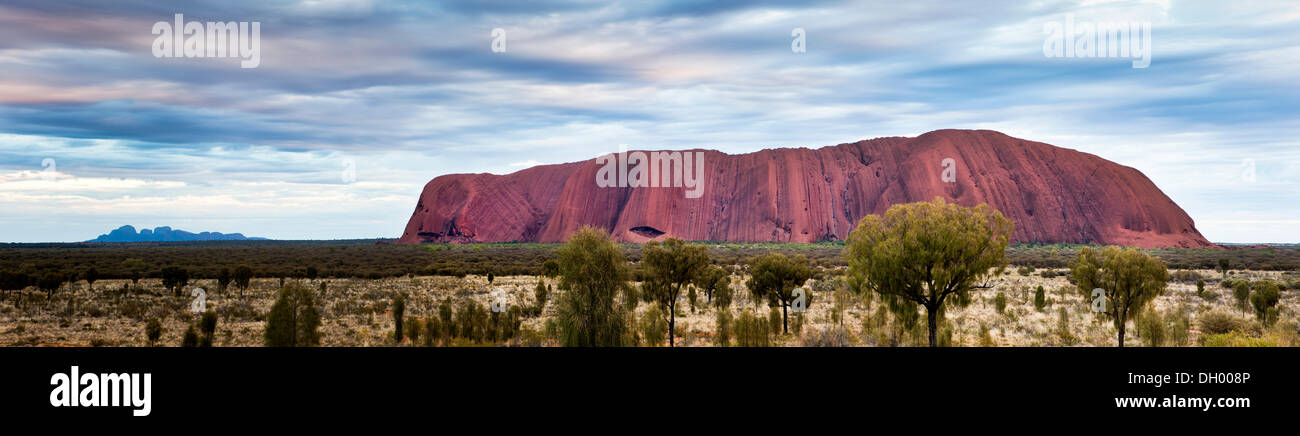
1121 335
785 323
932 324
672 323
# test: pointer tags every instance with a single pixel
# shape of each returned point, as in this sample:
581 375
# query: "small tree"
153 330
91 276
1000 302
670 266
444 315
243 276
653 327
775 277
723 320
1151 327
208 328
1128 277
509 323
490 278
710 280
752 331
592 271
928 254
1200 288
1063 328
540 294
399 314
550 268
294 320
473 321
1241 293
49 283
1264 300
1040 298
691 296
14 281
1224 266
223 279
722 327
413 328
722 295
191 337
135 267
432 331
175 278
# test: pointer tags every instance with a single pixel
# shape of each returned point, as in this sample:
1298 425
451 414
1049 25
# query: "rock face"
1052 194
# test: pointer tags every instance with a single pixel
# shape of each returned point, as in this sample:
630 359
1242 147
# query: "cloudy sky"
356 104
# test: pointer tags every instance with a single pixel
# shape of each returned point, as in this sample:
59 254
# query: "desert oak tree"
1128 277
928 254
670 266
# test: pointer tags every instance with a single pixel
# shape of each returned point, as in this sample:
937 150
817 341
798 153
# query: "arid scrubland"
358 312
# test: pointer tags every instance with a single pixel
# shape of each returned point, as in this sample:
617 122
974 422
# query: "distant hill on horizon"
127 233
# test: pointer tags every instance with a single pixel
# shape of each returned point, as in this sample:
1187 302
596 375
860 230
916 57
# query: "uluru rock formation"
1052 194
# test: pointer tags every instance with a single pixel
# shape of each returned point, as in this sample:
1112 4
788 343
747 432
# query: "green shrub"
774 321
444 315
153 330
1235 339
1178 324
593 272
1241 293
399 315
1264 300
190 338
1217 323
293 320
1000 302
208 328
413 329
722 326
1151 328
752 331
432 331
945 334
1063 333
540 293
653 328
1040 298
986 337
832 336
1185 276
472 321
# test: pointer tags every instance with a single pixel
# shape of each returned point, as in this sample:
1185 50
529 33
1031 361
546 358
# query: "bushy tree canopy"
294 320
775 276
669 267
593 271
927 254
1128 277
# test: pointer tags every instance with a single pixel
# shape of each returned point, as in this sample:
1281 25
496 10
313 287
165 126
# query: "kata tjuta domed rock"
1052 194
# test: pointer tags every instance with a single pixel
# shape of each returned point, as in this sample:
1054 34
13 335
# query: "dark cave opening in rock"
647 231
